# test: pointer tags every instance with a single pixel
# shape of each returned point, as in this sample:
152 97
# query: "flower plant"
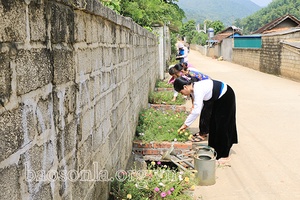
163 84
157 182
165 97
157 125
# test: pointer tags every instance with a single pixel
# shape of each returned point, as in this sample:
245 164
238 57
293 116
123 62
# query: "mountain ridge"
224 10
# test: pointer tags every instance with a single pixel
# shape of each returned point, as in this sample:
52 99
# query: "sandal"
203 135
196 139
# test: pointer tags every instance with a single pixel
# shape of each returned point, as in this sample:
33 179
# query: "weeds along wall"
73 78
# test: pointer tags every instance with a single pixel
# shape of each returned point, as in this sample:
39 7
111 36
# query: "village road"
265 164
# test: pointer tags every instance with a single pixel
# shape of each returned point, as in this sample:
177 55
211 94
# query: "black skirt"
222 127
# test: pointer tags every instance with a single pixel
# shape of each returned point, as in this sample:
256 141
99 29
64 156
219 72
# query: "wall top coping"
252 49
295 43
95 7
292 30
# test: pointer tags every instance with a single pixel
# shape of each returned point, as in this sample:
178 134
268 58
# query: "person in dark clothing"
222 123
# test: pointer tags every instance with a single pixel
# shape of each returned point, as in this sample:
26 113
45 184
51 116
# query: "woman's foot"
201 136
224 160
197 138
204 134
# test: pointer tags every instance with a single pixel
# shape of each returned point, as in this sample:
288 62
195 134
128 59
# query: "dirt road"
265 164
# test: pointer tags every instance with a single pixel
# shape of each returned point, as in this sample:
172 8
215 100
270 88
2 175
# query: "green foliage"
188 27
188 30
163 84
277 8
156 125
112 4
200 38
165 97
173 48
192 36
157 182
146 13
218 26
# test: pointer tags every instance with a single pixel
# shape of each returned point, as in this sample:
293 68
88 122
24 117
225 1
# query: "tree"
275 9
112 4
146 12
188 30
218 26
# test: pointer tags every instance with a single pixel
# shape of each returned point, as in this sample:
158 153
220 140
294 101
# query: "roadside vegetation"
147 13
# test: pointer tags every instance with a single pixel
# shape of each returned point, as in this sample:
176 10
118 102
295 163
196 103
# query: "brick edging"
158 148
163 89
163 107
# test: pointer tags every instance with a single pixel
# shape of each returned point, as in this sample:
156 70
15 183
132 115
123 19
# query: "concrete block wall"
275 57
73 78
270 60
290 62
270 56
247 57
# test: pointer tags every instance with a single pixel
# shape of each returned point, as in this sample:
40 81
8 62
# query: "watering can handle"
209 149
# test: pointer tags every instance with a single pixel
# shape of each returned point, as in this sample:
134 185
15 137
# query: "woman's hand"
182 128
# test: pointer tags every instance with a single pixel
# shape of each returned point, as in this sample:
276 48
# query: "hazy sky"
262 3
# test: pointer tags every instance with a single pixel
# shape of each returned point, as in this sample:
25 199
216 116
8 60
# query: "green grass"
165 97
156 125
163 84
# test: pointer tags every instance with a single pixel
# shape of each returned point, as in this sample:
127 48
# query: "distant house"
221 44
231 31
280 24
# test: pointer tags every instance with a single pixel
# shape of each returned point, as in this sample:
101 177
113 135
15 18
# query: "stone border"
163 107
163 89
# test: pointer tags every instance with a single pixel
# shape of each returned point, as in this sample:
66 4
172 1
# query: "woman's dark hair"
178 67
184 66
182 81
172 71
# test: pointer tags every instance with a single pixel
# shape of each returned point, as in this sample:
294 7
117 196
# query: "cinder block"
80 29
67 139
89 29
62 23
63 66
9 183
5 75
84 61
84 152
87 124
43 192
39 159
37 21
33 70
13 24
12 135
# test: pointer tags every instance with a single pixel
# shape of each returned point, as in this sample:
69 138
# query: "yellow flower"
187 179
192 187
129 196
153 163
186 133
